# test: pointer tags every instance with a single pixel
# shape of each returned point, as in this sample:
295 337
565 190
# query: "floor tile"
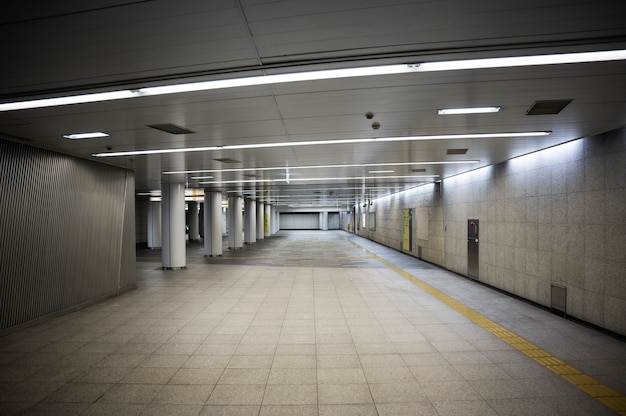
251 361
184 394
294 361
207 361
463 408
397 393
79 392
244 376
105 409
278 394
347 410
344 394
230 410
292 376
149 375
376 375
407 409
228 394
340 376
338 361
289 410
196 376
131 393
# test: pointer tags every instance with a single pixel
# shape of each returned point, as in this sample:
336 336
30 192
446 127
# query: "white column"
250 222
275 220
212 223
154 224
260 218
235 222
267 221
324 221
173 254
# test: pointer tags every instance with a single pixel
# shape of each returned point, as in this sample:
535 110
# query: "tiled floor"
303 323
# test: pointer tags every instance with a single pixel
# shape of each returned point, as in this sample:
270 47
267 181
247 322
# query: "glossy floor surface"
302 323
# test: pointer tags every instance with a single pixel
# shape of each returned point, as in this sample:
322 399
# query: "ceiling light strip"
279 79
467 110
356 165
516 61
533 60
325 142
72 99
318 179
80 136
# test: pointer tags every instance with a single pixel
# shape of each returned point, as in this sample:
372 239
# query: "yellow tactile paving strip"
611 398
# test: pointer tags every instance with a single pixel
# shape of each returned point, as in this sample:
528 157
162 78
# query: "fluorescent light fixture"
92 135
357 165
318 179
515 61
325 142
279 79
72 99
381 171
472 110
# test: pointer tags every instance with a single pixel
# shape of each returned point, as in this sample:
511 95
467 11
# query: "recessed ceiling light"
468 110
91 135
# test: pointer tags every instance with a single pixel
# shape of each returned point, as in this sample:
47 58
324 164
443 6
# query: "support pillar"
212 223
173 254
250 222
235 222
194 233
267 221
260 218
275 220
154 224
324 221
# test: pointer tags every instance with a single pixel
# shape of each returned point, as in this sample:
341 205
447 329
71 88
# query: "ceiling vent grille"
170 128
547 107
418 170
456 151
227 160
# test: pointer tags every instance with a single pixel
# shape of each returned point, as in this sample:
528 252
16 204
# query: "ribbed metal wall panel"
66 232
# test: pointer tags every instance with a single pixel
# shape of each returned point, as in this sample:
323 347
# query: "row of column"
166 224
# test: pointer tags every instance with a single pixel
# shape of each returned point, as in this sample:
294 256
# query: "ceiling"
61 48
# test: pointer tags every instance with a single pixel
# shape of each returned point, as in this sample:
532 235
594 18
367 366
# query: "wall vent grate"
558 298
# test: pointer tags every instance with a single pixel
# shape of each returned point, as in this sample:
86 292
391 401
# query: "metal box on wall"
472 248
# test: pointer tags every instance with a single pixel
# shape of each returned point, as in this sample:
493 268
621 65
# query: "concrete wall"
554 216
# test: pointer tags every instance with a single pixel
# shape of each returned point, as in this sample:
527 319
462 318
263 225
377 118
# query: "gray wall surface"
299 221
67 230
557 216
